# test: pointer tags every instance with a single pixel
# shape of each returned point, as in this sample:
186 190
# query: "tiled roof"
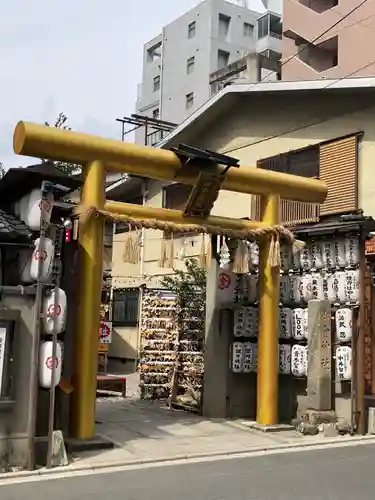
12 228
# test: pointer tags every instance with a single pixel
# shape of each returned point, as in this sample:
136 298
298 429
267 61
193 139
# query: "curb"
181 458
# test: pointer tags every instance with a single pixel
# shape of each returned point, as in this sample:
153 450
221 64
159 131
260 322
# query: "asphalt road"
336 474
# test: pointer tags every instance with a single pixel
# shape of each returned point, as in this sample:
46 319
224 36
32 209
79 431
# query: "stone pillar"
220 289
319 376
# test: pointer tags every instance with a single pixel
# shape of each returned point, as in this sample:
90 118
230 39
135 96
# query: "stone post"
319 372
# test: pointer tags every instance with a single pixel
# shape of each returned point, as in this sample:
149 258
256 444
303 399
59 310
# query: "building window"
190 65
222 59
224 24
154 53
248 30
269 25
125 307
157 83
189 100
156 114
191 30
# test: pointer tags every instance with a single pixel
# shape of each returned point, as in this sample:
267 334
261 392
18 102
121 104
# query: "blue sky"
81 57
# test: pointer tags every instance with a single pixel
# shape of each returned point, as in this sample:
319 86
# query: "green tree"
189 286
2 170
68 168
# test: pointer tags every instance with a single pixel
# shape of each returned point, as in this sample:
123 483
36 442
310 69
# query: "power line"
301 50
310 124
341 14
318 37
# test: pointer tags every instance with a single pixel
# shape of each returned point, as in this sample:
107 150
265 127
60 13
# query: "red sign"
49 362
105 333
224 281
51 310
37 255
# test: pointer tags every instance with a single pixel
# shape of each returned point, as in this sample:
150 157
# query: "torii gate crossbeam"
98 155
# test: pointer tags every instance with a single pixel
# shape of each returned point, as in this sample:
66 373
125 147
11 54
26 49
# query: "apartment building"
342 51
177 64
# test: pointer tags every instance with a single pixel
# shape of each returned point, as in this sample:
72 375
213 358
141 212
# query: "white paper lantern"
352 285
316 255
344 324
307 287
305 256
252 288
339 253
284 289
285 359
344 363
248 365
352 253
55 306
299 361
324 275
29 262
295 260
318 286
328 249
237 357
47 255
30 209
239 322
337 287
298 330
46 363
285 258
251 322
254 254
296 295
286 322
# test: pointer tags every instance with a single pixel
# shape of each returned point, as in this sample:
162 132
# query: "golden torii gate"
98 155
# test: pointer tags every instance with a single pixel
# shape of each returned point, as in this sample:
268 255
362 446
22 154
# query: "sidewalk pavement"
145 431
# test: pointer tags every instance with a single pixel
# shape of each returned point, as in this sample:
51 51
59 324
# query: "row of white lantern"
28 208
324 254
246 322
293 323
292 360
54 305
338 287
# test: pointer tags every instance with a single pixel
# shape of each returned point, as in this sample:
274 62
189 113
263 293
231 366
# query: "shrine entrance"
208 173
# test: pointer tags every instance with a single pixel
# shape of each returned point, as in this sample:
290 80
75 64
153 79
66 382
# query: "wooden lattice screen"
335 162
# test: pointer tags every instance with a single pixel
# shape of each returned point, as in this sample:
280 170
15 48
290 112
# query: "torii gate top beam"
31 139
